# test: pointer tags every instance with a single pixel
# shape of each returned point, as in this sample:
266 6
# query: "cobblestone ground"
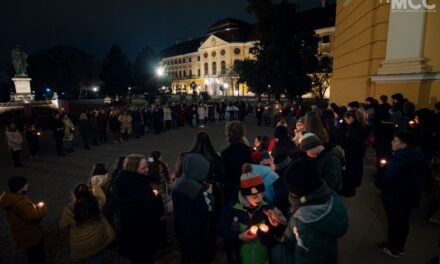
52 178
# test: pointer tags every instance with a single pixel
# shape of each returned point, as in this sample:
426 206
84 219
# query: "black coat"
139 212
85 128
233 158
402 181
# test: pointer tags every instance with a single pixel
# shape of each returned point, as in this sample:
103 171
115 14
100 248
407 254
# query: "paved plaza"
52 178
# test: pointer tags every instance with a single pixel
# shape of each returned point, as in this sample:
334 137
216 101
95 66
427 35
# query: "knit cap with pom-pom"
250 182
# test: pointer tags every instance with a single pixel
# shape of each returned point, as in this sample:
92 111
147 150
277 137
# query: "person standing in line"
15 140
234 156
126 125
139 211
89 231
25 219
401 190
201 114
58 134
259 109
167 112
33 139
85 129
68 133
102 126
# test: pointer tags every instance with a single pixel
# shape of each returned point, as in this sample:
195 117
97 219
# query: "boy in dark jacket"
244 225
401 190
25 219
319 219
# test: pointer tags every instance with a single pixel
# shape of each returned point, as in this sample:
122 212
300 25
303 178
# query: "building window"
206 69
184 73
236 63
326 39
175 61
198 58
180 74
223 67
183 60
222 52
213 54
214 68
205 55
198 72
237 51
189 59
253 51
190 73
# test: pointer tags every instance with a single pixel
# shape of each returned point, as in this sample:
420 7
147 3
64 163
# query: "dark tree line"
73 73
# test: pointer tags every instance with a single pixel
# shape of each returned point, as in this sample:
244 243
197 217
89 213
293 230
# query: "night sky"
94 25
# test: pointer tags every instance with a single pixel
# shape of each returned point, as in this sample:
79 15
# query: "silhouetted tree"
64 69
116 72
286 50
144 70
321 79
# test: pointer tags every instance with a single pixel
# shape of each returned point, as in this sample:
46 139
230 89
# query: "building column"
404 52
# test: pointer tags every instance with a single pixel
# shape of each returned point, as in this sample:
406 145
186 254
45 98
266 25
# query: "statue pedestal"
22 89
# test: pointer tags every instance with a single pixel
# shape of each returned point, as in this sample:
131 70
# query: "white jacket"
14 140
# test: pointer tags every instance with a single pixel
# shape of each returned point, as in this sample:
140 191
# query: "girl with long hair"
89 232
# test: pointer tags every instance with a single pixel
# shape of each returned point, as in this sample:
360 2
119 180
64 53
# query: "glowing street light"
48 90
160 71
95 89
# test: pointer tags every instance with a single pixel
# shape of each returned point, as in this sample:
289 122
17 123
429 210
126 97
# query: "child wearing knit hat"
244 225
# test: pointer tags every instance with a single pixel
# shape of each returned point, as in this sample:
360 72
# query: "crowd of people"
98 126
277 200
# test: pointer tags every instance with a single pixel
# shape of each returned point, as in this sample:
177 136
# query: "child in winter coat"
244 225
319 219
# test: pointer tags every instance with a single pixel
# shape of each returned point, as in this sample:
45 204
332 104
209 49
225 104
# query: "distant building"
384 47
206 63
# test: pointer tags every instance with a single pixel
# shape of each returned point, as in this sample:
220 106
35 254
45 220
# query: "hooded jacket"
193 205
312 232
330 162
402 180
24 218
269 177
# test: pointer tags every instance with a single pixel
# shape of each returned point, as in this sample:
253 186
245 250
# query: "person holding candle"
89 231
401 190
241 219
319 218
25 219
139 211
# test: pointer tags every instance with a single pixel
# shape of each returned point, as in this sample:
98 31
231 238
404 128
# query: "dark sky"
94 25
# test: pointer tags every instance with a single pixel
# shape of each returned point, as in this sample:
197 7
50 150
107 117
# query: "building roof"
188 46
235 30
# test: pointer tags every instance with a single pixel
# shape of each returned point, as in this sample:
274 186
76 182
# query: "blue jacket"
269 177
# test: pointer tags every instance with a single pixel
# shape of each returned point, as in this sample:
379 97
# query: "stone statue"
19 58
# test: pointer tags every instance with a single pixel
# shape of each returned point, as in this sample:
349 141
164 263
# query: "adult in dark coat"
353 143
401 190
85 129
58 133
234 156
139 211
102 126
193 204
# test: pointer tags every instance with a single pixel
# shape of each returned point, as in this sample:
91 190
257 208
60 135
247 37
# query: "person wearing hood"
245 224
319 219
25 219
193 205
401 190
139 211
330 159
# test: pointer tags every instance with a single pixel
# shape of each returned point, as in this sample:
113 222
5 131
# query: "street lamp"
95 89
160 71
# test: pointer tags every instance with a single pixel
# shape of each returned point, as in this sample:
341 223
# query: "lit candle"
156 192
40 204
341 121
412 123
264 228
383 162
253 230
38 133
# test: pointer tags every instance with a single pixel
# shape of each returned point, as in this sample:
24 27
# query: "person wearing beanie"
247 212
330 159
193 205
319 218
25 219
